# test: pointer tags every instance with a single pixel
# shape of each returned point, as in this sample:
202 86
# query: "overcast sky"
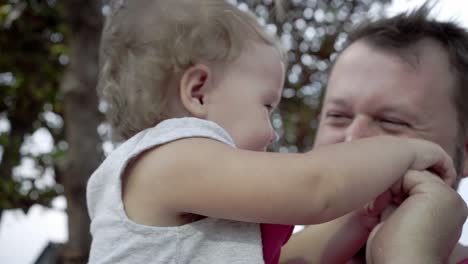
22 237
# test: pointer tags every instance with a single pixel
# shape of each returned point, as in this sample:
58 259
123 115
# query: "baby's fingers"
432 157
445 170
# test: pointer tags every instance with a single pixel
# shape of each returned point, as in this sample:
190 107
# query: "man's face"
374 92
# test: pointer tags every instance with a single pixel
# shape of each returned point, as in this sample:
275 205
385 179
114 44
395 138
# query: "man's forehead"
385 105
361 63
421 52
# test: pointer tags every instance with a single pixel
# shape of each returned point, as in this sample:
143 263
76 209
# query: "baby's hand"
430 156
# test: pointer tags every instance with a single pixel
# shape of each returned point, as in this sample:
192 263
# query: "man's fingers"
432 157
398 199
375 207
370 241
414 178
387 212
446 171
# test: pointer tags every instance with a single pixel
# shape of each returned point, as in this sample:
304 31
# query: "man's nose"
361 127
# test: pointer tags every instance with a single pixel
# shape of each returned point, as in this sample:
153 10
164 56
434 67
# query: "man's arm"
336 241
332 242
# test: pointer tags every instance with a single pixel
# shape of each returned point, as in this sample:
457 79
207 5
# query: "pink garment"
465 261
273 238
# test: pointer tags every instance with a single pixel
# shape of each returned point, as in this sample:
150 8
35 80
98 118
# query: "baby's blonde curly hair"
146 43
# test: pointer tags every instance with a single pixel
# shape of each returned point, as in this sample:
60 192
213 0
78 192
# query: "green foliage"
33 53
10 197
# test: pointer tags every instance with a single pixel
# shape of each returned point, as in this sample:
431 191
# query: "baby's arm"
208 178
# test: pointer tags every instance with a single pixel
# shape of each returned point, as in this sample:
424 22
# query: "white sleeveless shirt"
117 239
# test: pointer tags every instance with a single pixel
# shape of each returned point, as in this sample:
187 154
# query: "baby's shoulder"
152 180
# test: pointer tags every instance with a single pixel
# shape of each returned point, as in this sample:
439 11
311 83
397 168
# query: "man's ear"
193 87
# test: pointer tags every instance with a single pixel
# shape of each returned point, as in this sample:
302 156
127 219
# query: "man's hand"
425 228
336 241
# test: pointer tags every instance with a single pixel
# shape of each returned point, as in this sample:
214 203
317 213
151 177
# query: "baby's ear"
193 87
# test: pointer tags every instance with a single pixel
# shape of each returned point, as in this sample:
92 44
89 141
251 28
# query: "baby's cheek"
260 141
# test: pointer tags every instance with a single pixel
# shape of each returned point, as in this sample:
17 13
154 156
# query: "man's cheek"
328 137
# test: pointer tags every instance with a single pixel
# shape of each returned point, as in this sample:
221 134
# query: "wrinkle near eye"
337 118
337 114
394 121
393 126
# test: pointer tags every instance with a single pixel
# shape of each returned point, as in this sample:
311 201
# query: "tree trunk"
81 118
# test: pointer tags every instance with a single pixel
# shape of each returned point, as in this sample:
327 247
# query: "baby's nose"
274 137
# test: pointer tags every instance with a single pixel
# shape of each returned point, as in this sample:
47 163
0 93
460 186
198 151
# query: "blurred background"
52 131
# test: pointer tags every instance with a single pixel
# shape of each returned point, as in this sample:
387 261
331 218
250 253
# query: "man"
405 76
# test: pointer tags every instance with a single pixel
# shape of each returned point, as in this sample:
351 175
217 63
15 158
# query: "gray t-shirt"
117 239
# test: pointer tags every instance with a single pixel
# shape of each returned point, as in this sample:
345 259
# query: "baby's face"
246 94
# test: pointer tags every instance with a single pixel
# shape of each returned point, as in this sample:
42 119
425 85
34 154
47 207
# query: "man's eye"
335 115
337 119
394 123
